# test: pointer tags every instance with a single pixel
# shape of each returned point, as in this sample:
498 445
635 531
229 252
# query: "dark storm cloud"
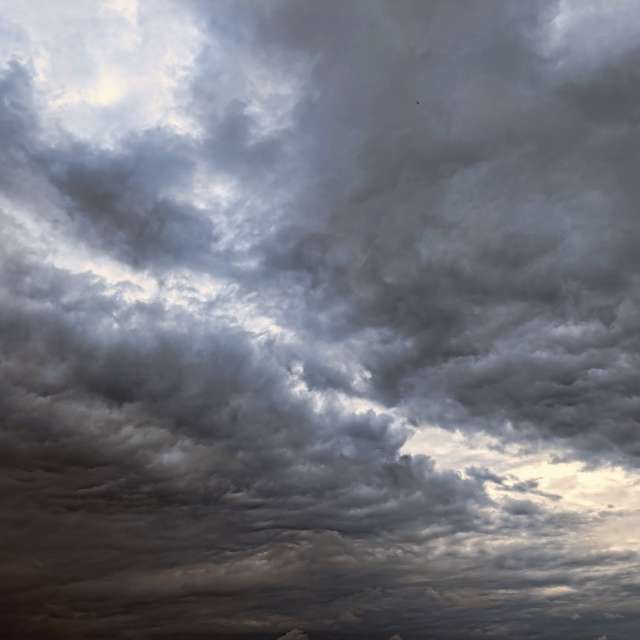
464 209
119 420
18 128
200 492
443 216
207 386
122 201
17 120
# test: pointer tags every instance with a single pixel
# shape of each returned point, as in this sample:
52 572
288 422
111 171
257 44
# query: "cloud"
454 248
249 252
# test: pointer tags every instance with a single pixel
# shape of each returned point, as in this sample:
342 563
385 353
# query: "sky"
319 320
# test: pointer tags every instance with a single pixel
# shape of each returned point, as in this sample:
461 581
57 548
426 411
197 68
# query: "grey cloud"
443 218
119 428
123 202
484 475
478 252
17 120
132 201
19 128
186 450
522 507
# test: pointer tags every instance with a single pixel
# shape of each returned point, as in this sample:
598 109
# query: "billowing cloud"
318 320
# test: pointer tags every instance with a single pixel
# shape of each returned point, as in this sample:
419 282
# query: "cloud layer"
305 311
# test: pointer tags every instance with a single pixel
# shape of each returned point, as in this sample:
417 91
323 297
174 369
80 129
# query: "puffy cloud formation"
319 316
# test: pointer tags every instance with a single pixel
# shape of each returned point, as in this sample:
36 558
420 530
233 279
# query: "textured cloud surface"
319 320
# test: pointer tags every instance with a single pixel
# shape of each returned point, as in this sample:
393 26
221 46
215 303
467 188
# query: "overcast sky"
320 319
